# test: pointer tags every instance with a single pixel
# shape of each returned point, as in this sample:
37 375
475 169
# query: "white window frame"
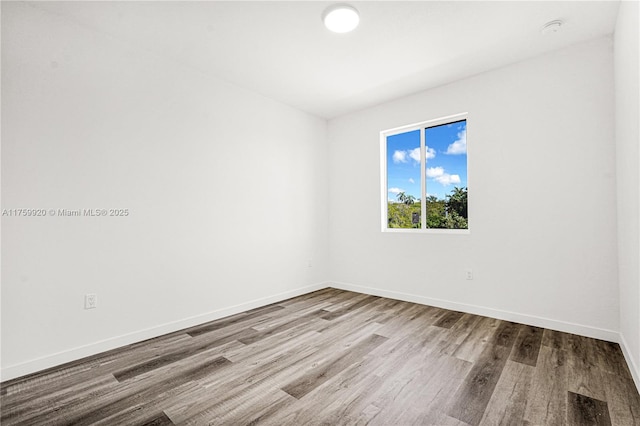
423 206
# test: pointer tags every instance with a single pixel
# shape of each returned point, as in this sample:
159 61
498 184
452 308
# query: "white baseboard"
633 366
39 364
567 327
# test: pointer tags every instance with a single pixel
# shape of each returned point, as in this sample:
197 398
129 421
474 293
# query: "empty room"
306 213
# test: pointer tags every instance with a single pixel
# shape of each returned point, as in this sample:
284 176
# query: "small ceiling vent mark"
552 27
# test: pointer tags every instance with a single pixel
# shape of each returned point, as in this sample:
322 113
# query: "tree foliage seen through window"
450 213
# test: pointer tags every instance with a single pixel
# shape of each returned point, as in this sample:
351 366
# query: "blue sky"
446 167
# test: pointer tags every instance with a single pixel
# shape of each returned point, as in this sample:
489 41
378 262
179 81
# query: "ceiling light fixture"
552 27
341 18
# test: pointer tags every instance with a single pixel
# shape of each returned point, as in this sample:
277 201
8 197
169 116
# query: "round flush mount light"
341 18
552 27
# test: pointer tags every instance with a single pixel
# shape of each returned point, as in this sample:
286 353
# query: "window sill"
426 231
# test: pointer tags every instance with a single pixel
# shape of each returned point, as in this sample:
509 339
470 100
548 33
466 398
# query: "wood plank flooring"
335 357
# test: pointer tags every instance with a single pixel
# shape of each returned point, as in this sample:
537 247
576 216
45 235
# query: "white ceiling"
282 50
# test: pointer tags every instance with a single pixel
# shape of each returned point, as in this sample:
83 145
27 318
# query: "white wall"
541 203
627 74
227 193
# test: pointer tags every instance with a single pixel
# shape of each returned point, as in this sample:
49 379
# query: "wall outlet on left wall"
90 301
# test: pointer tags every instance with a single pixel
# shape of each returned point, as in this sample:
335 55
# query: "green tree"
406 199
400 214
457 202
436 217
441 214
455 221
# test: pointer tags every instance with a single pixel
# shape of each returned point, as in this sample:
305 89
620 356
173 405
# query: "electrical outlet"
469 274
90 301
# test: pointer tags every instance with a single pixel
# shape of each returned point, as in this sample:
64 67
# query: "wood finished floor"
334 357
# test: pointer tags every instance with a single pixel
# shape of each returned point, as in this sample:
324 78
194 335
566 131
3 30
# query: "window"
424 175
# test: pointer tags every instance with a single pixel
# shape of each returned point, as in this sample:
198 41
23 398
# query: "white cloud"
403 156
411 180
395 190
400 156
431 153
447 179
434 172
439 175
460 145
